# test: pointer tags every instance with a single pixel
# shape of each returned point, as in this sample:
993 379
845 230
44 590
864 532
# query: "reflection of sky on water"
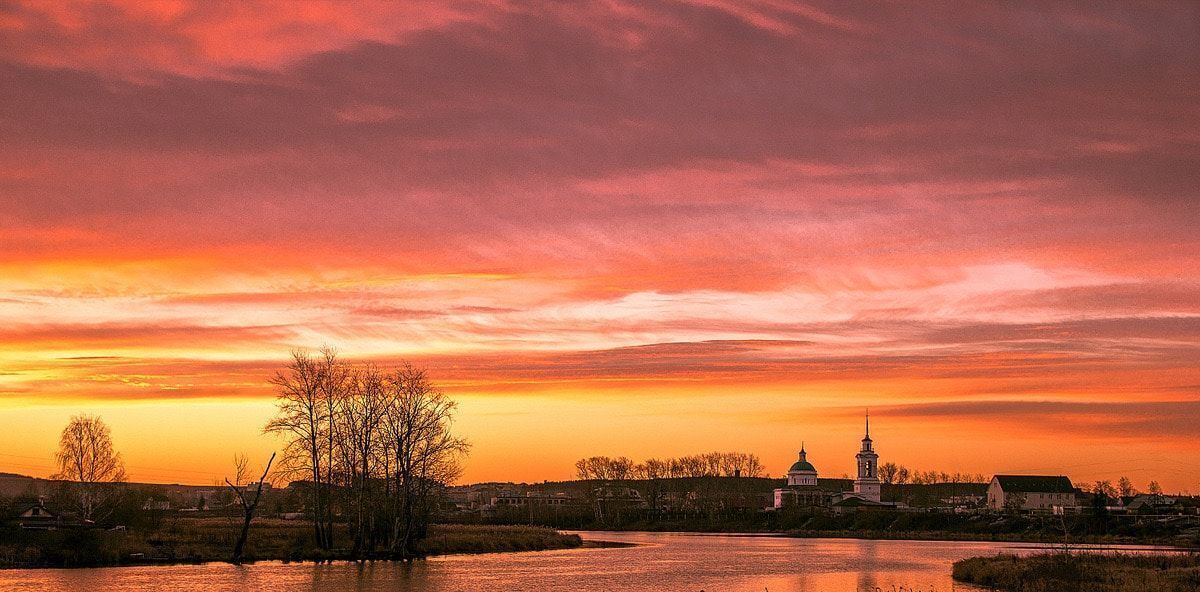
658 562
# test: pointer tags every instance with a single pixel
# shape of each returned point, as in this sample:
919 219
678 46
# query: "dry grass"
195 540
458 538
1079 572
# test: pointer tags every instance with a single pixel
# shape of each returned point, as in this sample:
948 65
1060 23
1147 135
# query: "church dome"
802 466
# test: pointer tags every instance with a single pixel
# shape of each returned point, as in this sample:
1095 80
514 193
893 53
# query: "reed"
1086 571
212 539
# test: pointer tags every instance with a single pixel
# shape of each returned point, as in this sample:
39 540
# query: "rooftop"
1035 483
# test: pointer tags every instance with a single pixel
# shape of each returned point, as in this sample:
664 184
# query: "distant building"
801 487
612 501
35 516
515 500
866 486
157 504
962 503
1149 503
853 503
803 490
1032 493
253 486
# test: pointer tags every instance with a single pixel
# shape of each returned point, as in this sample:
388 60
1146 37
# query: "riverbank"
202 540
1178 542
1094 572
922 526
924 536
1173 542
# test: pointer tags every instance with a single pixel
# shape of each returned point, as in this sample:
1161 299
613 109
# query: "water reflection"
659 562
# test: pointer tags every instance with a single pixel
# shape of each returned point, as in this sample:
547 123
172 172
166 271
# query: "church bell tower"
866 485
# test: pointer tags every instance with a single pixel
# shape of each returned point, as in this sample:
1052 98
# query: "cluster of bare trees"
374 445
89 463
1124 488
892 473
712 464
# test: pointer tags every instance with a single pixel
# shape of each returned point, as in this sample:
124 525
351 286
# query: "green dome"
802 465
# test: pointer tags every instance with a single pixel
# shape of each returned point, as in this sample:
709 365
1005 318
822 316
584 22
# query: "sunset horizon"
621 229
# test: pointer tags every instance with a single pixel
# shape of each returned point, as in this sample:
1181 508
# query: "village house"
1048 494
511 500
1149 503
157 503
32 514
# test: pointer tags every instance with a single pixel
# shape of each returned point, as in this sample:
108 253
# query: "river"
659 561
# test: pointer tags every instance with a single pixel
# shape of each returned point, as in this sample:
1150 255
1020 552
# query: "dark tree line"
712 464
374 445
892 473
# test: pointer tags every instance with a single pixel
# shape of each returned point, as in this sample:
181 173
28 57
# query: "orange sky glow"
611 228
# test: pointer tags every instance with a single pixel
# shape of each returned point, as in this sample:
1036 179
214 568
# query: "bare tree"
1105 488
376 445
333 388
422 450
595 467
87 458
740 464
622 468
754 467
887 472
1125 487
711 464
359 426
303 421
248 504
652 469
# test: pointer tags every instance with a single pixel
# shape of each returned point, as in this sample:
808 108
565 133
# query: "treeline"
1123 488
712 464
375 446
729 464
894 474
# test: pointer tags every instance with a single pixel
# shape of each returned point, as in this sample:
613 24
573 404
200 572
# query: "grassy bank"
918 535
1079 572
1024 537
198 540
910 526
458 538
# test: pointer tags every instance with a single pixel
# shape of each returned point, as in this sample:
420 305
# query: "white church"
802 488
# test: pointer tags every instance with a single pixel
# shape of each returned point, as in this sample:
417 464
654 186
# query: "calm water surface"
659 562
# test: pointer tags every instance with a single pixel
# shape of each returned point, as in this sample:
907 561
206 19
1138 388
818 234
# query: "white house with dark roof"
1052 494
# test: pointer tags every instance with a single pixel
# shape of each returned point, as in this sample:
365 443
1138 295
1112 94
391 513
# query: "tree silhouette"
86 457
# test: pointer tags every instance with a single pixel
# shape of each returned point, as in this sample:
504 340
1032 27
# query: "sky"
612 227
